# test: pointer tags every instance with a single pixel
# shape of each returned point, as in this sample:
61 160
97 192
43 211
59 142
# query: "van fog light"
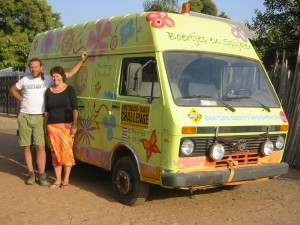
279 142
187 147
216 151
267 148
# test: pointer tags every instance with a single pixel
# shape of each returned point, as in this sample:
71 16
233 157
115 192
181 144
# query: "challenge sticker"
135 116
195 116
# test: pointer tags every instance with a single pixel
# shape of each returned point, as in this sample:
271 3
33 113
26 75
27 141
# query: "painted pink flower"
103 30
58 37
160 19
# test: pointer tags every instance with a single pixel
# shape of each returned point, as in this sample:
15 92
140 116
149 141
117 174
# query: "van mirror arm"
150 99
136 77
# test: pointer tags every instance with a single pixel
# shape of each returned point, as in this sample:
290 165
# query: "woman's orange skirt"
61 144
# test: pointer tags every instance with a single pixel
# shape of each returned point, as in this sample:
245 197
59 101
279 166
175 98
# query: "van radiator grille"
253 143
239 159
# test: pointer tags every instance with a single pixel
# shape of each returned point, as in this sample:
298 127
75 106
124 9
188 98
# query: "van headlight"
279 142
216 151
187 147
267 148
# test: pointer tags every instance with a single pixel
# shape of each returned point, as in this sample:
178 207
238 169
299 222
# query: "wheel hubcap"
123 182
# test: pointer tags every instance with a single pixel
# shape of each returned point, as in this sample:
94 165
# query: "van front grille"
239 159
230 143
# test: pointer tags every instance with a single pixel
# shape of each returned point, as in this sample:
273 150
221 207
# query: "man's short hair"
35 60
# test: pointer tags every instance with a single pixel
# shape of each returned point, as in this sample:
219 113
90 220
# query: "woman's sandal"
64 186
54 185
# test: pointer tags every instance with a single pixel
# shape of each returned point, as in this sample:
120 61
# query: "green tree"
20 21
277 29
204 6
161 5
223 14
201 6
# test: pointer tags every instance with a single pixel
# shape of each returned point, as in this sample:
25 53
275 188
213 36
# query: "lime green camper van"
170 99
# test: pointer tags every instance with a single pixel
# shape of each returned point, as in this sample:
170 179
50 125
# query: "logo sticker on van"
195 116
136 116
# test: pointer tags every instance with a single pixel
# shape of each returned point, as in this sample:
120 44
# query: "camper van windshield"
199 79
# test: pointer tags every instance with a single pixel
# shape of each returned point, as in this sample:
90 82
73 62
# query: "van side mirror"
134 76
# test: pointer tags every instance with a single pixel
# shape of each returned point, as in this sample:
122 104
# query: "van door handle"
80 106
115 106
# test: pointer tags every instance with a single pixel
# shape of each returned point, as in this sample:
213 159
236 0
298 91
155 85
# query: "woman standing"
61 113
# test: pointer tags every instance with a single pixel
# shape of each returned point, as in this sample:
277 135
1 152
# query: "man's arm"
15 92
77 66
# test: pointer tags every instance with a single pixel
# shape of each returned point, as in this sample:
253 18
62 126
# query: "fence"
8 104
291 103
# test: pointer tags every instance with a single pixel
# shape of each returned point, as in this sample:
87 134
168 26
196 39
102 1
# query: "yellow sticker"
195 116
133 115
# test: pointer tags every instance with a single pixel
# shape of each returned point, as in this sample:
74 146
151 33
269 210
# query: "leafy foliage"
277 29
161 5
201 6
20 21
204 6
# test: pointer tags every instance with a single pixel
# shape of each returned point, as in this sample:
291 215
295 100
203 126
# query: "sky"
77 11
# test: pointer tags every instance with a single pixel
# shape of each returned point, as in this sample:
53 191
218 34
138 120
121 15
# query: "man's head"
35 67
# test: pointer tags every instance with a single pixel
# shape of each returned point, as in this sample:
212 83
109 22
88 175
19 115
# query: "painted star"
150 146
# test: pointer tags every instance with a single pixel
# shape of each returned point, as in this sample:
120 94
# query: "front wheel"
127 186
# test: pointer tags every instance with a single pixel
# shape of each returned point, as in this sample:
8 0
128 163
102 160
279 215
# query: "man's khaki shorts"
31 129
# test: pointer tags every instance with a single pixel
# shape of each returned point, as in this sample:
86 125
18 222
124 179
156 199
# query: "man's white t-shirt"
33 90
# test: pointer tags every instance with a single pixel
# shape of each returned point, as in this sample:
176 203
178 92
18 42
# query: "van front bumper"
221 176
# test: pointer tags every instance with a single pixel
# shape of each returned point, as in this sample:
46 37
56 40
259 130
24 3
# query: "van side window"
139 78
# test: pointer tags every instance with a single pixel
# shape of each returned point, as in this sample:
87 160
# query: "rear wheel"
127 186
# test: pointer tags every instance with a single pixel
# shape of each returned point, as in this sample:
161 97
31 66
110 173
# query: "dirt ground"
90 200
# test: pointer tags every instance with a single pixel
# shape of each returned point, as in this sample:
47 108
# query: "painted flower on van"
238 33
160 19
84 132
58 38
96 40
126 31
47 43
150 145
67 42
109 123
114 42
81 78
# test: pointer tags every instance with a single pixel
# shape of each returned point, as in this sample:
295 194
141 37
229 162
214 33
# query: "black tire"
127 186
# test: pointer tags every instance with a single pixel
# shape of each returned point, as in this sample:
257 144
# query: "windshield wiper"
247 97
210 97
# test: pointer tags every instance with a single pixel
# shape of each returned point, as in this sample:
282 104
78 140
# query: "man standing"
30 92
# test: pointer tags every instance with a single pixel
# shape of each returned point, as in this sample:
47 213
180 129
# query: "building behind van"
174 100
